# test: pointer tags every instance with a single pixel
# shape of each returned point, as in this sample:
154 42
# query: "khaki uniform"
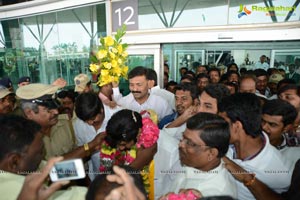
11 185
61 140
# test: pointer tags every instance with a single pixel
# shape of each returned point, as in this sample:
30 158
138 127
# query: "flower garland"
111 156
149 134
110 59
182 196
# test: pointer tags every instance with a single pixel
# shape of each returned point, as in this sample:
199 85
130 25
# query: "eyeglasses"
191 144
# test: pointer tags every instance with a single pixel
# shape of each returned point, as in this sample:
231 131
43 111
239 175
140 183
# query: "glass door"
146 56
281 59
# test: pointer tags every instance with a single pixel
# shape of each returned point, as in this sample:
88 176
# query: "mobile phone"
67 170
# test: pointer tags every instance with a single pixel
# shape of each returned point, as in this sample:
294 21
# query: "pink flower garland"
149 134
189 196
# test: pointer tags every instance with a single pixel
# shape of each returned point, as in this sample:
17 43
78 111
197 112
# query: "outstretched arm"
259 190
87 149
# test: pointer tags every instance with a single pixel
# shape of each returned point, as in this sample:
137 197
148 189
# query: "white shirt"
166 156
270 168
166 159
291 154
85 133
154 102
263 65
215 182
165 94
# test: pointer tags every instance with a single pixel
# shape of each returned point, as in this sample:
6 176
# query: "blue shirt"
167 119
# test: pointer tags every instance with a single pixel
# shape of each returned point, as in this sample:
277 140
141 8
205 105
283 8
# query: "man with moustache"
39 104
204 142
171 134
67 99
140 98
186 95
7 100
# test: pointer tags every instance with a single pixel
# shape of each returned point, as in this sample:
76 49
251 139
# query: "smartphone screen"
68 170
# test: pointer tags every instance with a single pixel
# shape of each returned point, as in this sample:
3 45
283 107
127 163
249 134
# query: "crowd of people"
212 135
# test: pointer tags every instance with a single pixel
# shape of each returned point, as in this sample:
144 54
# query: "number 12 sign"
125 12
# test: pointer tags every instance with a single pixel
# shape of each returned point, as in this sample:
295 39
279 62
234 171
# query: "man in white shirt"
140 98
170 135
204 142
262 82
252 149
262 64
155 89
277 121
92 118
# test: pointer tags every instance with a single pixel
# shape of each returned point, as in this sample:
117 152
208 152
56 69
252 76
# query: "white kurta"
154 102
215 182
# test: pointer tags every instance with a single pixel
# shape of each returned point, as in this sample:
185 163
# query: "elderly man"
38 104
172 133
204 142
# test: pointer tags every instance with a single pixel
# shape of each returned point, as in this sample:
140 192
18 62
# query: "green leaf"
120 33
94 59
102 41
125 45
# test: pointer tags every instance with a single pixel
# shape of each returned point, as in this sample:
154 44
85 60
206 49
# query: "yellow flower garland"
109 154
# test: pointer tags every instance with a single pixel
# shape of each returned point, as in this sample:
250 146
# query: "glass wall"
181 13
51 45
194 13
244 54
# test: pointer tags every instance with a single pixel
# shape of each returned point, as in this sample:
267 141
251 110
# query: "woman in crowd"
131 140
